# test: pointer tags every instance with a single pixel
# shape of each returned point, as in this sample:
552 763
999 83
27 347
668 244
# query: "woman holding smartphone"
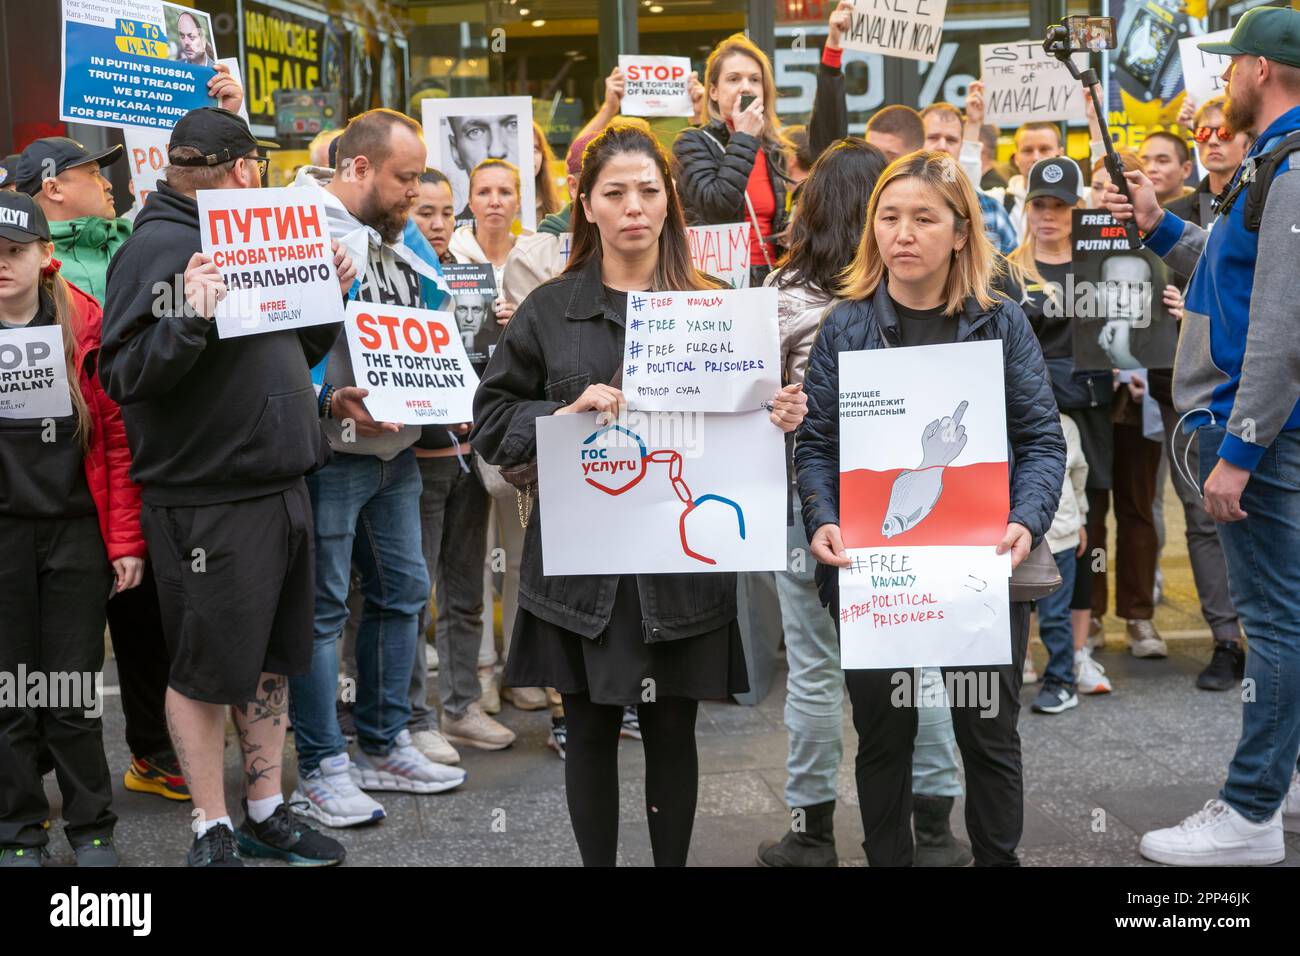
598 639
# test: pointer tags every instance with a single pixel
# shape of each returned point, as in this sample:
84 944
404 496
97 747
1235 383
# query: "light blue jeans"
814 700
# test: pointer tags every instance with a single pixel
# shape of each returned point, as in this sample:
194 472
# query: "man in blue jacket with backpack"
1237 383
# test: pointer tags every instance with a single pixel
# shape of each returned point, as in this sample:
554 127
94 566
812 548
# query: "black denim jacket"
564 337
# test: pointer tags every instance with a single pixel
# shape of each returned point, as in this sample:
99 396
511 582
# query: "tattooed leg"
198 733
261 724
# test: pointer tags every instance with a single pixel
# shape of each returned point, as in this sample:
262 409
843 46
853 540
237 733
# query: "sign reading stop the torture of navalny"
273 249
134 62
33 373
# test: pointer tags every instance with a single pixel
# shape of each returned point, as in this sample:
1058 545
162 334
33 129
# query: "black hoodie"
207 419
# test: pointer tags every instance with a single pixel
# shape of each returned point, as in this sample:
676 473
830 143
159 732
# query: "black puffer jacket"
713 163
1036 447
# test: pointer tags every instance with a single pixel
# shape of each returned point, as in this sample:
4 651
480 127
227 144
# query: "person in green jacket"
65 179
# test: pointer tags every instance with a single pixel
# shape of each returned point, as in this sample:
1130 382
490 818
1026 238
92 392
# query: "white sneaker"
330 796
405 770
1217 835
476 729
1089 675
431 660
1291 806
434 745
490 697
525 698
1145 641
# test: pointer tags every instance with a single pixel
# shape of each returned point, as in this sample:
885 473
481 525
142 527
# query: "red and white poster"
924 499
656 85
413 362
273 249
722 251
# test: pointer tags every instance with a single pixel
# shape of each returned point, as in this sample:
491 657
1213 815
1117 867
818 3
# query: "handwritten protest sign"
413 363
656 85
146 158
273 249
33 373
911 29
714 351
722 251
1023 83
923 504
1203 72
134 62
473 288
661 493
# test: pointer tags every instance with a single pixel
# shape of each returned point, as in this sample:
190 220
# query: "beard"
387 221
1240 109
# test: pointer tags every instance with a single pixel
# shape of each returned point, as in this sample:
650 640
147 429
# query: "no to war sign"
924 498
134 62
714 351
33 374
273 249
413 362
1023 83
911 29
660 493
656 85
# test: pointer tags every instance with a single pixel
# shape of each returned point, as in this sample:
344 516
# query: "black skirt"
611 669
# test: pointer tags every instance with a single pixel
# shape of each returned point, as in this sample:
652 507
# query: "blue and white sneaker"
1055 698
330 796
405 770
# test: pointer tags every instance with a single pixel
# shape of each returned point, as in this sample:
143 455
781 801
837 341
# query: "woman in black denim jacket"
606 641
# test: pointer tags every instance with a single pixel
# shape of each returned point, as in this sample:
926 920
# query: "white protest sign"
146 157
273 249
911 29
722 251
33 373
1023 84
656 85
661 493
924 499
1203 72
413 362
713 351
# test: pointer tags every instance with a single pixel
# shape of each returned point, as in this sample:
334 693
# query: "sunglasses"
1202 134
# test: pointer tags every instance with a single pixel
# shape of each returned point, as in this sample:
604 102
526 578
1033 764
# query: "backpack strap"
1255 179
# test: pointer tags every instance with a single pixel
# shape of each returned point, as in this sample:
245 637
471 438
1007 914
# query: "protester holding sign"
366 500
70 522
923 275
597 639
732 169
221 433
943 130
1235 383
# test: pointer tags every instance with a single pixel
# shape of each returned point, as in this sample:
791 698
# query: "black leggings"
671 776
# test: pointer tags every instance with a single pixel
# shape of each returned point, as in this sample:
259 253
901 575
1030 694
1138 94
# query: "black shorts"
236 585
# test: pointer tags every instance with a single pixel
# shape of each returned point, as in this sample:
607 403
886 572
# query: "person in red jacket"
70 526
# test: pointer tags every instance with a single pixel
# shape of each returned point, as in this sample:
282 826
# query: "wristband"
832 56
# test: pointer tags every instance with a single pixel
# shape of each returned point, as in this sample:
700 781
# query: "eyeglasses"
1202 134
263 164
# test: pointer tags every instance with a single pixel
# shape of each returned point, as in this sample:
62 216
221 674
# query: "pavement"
1096 777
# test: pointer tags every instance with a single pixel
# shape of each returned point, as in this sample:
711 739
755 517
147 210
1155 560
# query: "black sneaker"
1226 668
559 738
1055 698
631 723
23 856
284 836
216 847
98 851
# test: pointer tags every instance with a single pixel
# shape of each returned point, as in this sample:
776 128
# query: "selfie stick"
1058 46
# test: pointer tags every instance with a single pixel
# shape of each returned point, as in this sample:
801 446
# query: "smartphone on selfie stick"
1092 35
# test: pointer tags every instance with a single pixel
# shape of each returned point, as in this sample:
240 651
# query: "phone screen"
1091 34
746 101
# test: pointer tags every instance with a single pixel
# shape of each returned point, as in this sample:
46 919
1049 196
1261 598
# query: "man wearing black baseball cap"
1236 385
221 433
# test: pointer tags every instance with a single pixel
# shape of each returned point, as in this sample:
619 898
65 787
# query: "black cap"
219 136
1058 177
21 220
52 155
9 171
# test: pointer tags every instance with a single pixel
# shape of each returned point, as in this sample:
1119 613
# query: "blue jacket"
1036 446
1238 361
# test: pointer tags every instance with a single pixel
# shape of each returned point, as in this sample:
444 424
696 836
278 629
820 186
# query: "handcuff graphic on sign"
673 459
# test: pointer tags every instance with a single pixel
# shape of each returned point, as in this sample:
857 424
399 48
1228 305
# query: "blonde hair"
493 163
772 133
974 266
